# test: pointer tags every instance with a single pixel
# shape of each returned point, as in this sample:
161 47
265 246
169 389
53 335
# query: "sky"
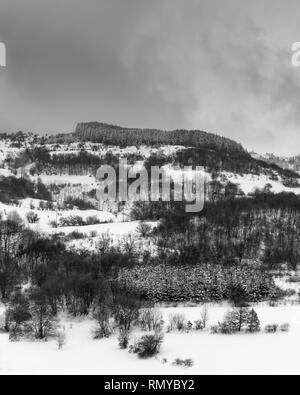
223 66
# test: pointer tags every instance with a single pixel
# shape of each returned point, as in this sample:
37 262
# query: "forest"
226 252
116 135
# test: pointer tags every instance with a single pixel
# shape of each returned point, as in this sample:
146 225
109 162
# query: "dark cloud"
208 64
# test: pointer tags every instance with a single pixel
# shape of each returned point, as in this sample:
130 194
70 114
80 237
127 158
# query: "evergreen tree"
253 323
237 319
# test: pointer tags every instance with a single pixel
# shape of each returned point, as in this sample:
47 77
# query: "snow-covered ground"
249 182
212 354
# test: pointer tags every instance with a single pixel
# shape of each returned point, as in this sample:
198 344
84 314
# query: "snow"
46 216
67 179
261 354
250 182
5 173
117 228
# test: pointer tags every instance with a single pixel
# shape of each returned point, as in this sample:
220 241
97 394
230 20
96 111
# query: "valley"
119 287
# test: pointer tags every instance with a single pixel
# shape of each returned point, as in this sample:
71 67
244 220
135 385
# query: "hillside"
117 135
198 148
72 256
291 163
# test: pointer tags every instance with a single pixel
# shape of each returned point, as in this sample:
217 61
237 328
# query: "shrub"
123 338
102 316
144 230
105 243
93 234
53 224
73 220
214 329
44 206
126 309
61 339
32 217
76 220
189 326
199 325
76 235
92 220
177 322
273 328
49 206
150 319
81 204
186 363
284 327
226 328
14 217
148 345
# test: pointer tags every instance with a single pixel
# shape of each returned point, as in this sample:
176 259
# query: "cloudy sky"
218 65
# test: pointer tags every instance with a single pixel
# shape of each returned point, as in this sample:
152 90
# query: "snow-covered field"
212 354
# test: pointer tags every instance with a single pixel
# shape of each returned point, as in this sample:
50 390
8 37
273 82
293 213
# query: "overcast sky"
218 65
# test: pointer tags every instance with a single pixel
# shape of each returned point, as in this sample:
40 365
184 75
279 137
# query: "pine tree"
253 323
237 319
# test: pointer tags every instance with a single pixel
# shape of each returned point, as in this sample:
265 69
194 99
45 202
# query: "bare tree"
204 316
129 246
144 230
61 338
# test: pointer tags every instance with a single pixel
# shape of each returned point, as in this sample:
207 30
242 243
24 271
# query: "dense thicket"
264 229
161 283
64 279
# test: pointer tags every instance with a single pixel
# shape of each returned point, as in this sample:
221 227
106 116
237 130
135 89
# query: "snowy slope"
250 182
